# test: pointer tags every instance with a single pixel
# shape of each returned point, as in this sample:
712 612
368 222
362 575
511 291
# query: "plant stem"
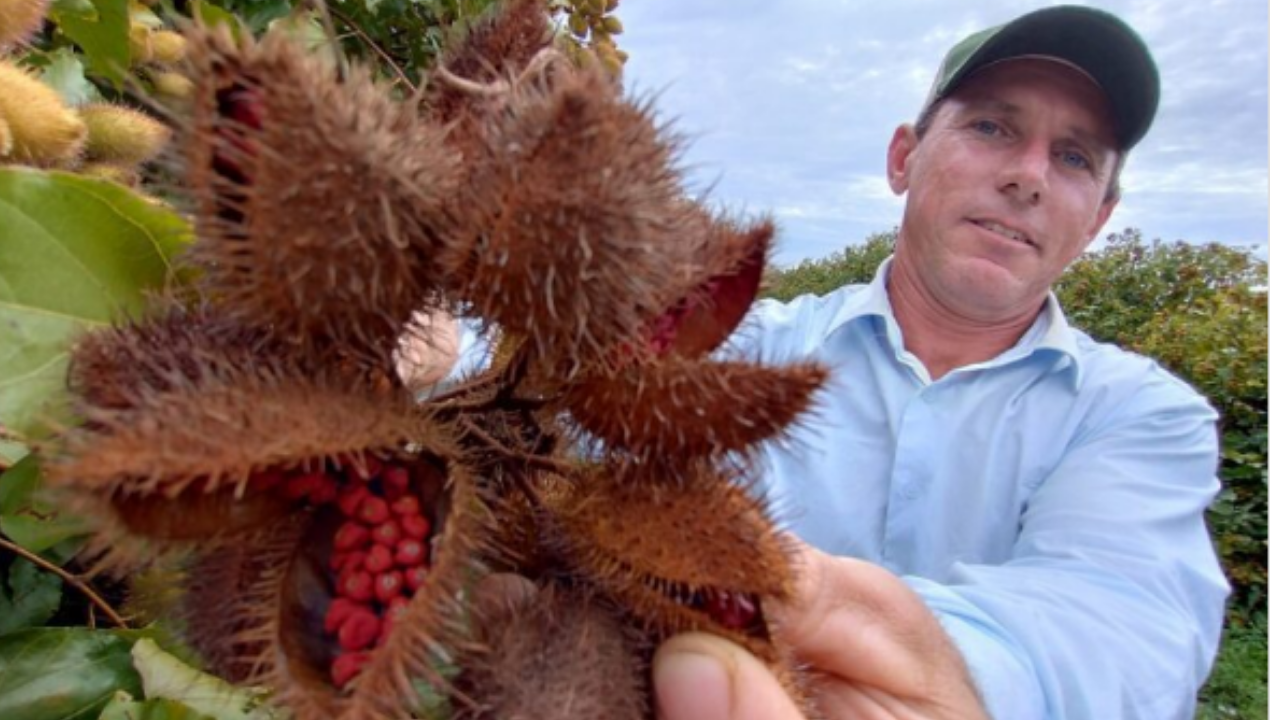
401 74
70 579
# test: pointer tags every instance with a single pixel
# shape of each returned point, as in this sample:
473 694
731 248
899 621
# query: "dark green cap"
1097 42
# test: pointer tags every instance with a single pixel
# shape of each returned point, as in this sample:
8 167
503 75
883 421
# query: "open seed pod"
573 221
318 198
691 549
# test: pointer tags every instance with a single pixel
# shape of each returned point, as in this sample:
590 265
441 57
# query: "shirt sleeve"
1111 605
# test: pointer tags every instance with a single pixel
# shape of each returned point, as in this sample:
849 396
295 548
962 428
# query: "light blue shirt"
1047 504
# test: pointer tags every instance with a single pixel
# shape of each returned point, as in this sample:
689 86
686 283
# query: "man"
1025 505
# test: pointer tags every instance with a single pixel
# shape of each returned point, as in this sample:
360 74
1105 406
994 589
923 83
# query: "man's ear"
898 154
1100 219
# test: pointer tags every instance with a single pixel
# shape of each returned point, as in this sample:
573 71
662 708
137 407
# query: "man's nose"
1024 177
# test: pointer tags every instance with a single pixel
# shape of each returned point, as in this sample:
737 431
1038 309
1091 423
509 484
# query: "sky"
788 108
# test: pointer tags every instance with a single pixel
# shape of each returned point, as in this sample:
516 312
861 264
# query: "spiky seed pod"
571 222
495 48
20 20
43 130
317 199
680 407
720 286
217 431
682 534
172 84
172 348
542 648
167 47
121 135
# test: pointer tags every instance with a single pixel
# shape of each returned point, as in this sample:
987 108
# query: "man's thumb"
703 677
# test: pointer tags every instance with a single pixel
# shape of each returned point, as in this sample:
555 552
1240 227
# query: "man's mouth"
1003 231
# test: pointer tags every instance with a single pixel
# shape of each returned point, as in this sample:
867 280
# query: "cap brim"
1098 43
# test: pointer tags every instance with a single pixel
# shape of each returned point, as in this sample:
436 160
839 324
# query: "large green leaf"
30 598
63 673
100 28
75 253
25 517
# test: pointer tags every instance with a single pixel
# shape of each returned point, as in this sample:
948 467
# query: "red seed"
351 498
410 552
300 486
734 611
388 533
325 493
351 560
358 585
396 481
379 559
360 630
406 505
339 611
388 585
351 536
396 608
347 666
415 526
373 510
416 577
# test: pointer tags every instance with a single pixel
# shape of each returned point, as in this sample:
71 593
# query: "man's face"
1005 189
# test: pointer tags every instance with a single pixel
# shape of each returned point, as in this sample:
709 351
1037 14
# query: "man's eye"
1073 159
987 127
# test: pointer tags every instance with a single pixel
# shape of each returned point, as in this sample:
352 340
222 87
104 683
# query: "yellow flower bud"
172 84
140 43
612 25
167 47
122 136
43 130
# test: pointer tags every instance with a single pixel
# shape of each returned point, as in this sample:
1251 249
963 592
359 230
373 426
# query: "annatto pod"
260 482
571 221
318 198
43 130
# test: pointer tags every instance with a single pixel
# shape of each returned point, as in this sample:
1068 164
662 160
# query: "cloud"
790 107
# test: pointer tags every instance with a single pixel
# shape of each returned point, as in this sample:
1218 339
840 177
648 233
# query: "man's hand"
880 653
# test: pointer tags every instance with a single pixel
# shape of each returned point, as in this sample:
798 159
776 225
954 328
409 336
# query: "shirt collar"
1050 332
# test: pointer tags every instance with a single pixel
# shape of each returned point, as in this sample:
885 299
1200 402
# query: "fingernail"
691 686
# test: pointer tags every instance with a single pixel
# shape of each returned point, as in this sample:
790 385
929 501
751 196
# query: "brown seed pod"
20 20
571 222
42 130
677 407
318 199
685 538
496 48
551 653
213 434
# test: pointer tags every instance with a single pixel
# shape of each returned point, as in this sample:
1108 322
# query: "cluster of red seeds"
379 557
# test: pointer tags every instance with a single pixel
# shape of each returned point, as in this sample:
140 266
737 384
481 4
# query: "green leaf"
102 33
75 254
123 707
211 15
31 598
165 676
65 74
11 452
62 673
25 517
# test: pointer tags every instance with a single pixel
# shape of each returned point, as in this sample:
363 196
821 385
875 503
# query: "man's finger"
702 677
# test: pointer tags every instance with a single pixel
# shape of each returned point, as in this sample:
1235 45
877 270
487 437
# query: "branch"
70 579
401 74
